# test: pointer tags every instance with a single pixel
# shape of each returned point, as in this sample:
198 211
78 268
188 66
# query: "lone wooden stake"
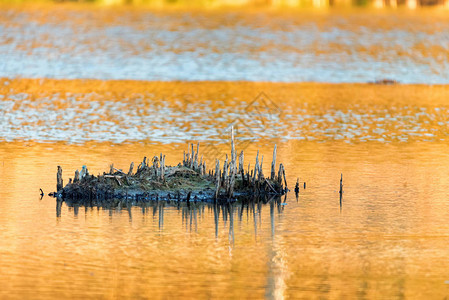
341 188
59 183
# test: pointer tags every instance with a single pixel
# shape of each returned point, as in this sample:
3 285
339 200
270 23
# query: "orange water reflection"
389 239
349 45
173 112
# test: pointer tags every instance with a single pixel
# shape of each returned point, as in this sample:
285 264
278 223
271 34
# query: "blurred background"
410 4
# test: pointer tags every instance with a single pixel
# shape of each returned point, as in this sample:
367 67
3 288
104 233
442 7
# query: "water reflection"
326 46
121 112
224 213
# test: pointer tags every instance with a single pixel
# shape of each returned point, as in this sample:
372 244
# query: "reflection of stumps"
59 183
341 188
58 207
297 189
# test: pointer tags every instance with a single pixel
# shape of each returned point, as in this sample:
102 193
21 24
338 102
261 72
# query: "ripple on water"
179 45
115 116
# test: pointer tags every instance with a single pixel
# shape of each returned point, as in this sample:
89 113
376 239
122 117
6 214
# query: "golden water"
389 239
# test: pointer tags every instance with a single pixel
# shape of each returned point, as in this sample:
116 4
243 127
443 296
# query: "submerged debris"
188 181
384 81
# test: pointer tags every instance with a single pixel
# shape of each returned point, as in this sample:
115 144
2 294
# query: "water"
388 239
167 112
321 46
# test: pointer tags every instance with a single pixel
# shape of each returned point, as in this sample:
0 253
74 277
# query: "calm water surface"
388 239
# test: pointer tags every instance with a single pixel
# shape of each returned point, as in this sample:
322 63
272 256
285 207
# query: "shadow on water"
191 212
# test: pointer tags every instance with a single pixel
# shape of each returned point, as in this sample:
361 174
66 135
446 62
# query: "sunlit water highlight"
389 239
319 46
124 111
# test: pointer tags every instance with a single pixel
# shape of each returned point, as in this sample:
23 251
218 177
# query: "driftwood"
187 181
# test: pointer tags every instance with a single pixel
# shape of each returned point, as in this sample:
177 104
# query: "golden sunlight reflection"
354 100
388 233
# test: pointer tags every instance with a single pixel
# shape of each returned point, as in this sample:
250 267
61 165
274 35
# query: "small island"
188 181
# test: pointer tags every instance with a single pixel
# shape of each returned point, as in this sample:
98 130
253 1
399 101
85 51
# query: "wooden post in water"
111 169
273 164
297 186
341 188
59 182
